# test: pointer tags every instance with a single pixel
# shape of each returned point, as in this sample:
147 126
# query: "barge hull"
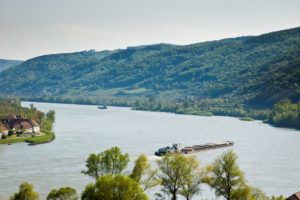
204 147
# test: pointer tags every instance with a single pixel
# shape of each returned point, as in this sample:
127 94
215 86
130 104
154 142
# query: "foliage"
278 198
118 187
227 179
192 179
143 174
89 192
5 64
258 194
246 119
179 174
48 120
111 161
64 193
12 106
285 114
255 71
26 192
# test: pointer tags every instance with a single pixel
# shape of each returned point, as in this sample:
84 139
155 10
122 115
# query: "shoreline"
41 139
245 119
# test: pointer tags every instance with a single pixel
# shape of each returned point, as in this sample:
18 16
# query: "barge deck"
175 148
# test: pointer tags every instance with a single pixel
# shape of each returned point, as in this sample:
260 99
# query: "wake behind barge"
175 148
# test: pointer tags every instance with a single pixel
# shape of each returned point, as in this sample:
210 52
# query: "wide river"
270 157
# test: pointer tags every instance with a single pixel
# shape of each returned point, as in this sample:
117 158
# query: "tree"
114 187
26 192
192 178
258 194
227 179
111 161
94 166
17 102
143 174
278 198
176 173
51 115
285 114
89 192
64 193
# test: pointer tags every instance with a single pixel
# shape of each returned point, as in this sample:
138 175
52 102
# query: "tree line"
176 175
285 114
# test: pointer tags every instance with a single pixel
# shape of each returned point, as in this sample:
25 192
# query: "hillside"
5 64
256 71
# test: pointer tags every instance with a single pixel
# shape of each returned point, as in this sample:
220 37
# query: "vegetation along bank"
19 124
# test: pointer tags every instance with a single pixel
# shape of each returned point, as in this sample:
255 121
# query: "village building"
295 196
20 125
3 131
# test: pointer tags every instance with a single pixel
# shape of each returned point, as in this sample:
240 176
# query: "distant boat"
102 107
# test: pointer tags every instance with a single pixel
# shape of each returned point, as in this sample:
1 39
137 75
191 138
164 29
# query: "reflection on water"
264 152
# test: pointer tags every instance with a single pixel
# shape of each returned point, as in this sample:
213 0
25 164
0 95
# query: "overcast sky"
30 28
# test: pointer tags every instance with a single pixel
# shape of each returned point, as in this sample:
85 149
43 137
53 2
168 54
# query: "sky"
29 28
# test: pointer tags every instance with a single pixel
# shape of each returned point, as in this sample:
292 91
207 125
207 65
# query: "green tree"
26 192
258 194
111 161
227 179
285 114
192 178
143 174
51 115
89 192
114 187
17 102
64 193
176 174
94 166
278 198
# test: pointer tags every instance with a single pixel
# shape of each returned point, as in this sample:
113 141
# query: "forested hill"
252 70
5 64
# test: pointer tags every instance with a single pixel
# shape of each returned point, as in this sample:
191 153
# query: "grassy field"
13 139
44 137
48 136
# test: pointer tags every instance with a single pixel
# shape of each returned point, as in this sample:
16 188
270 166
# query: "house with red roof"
3 130
20 125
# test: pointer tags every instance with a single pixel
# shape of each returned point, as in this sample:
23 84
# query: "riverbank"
44 137
46 134
93 130
283 114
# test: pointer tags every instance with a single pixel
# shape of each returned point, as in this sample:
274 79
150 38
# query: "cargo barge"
175 148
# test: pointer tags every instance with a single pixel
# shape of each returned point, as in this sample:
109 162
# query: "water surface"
269 156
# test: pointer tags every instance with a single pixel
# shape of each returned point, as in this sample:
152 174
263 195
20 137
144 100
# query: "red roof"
23 124
19 122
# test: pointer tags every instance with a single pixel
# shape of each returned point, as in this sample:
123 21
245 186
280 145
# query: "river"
269 156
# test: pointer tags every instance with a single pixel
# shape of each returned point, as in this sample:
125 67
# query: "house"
295 196
3 130
20 125
35 127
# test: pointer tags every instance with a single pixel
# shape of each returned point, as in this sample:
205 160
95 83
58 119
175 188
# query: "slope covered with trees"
236 73
5 64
